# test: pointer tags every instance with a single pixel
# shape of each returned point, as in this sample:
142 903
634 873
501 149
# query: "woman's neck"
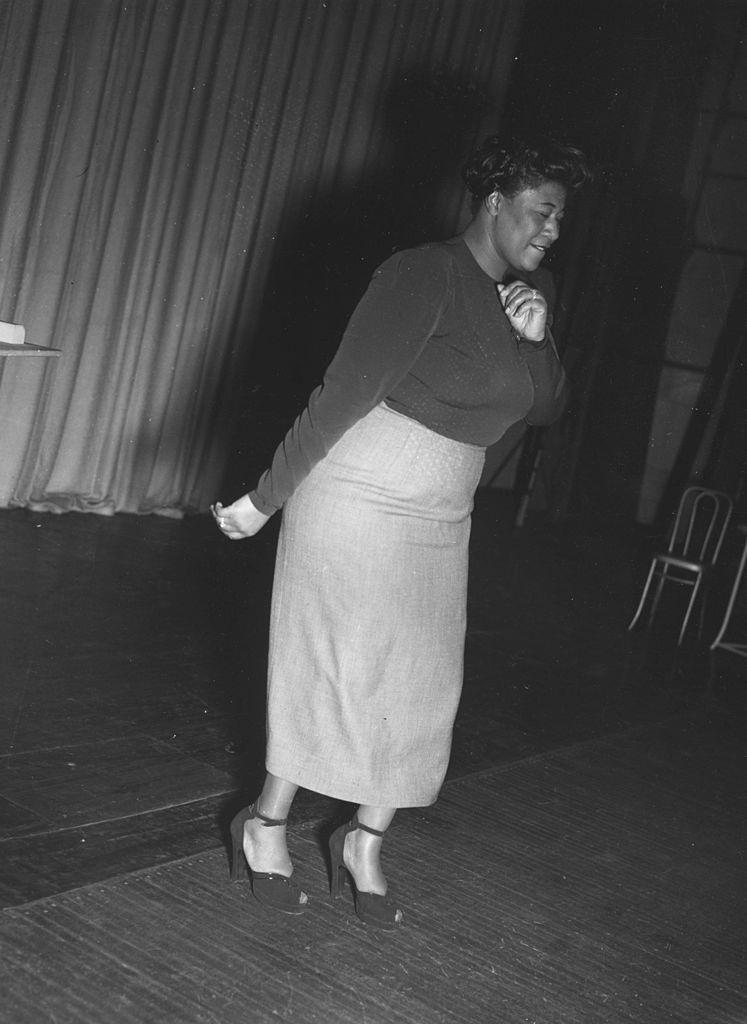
485 255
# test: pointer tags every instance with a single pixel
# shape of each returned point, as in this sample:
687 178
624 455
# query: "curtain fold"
154 152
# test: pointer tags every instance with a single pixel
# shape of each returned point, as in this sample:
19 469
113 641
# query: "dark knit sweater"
430 337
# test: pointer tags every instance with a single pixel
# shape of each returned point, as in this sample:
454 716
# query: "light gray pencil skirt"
369 614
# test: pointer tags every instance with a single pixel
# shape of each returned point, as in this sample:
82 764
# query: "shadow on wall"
652 244
631 104
334 243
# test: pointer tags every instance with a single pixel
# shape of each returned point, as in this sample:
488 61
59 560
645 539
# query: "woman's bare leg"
362 850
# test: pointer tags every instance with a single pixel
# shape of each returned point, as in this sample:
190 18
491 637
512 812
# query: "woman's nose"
553 229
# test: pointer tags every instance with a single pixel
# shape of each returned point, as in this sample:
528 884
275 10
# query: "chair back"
700 524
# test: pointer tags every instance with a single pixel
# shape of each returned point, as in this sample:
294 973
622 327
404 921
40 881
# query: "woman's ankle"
376 818
276 798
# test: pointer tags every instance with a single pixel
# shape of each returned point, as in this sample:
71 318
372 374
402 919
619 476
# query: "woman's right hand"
239 520
526 309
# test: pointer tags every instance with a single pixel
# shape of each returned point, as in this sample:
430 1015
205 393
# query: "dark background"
622 81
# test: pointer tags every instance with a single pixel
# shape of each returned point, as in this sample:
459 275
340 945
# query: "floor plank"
88 783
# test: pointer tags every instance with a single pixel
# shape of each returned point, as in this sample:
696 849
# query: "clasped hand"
239 520
525 308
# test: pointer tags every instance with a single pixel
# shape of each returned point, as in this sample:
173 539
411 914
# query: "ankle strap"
365 828
267 821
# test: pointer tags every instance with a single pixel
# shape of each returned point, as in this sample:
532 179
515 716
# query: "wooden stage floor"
603 882
582 865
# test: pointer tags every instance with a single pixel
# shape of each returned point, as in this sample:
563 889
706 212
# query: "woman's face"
524 226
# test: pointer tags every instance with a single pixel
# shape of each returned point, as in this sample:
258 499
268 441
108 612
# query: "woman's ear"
493 202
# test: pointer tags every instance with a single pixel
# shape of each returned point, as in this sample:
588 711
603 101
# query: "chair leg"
732 598
691 603
702 612
644 595
657 595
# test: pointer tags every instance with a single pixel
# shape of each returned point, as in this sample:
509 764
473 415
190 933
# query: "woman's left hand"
525 308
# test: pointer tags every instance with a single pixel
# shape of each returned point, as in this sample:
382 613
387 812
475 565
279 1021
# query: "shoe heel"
338 870
239 867
339 874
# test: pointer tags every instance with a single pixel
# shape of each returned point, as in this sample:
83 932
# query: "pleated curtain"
150 152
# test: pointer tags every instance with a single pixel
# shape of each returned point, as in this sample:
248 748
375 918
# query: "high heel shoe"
371 907
276 890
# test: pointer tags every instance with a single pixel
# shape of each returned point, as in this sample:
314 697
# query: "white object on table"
12 334
13 342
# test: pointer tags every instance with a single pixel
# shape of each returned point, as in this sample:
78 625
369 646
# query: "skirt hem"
333 790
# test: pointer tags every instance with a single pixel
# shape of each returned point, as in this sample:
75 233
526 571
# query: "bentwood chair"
694 545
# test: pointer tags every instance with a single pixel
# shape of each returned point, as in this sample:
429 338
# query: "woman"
448 348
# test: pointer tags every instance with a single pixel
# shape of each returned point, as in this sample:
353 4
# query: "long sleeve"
550 383
385 335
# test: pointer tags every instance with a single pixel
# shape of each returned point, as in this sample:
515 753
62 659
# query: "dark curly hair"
511 163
